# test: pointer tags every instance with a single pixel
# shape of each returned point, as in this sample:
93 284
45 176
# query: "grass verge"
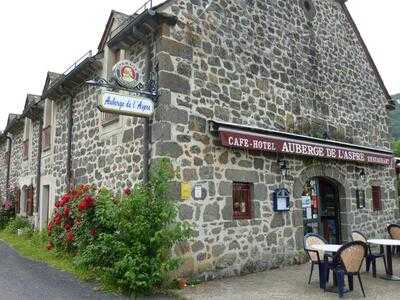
34 247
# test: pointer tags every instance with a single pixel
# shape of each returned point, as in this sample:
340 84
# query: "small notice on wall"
186 191
308 213
306 201
198 192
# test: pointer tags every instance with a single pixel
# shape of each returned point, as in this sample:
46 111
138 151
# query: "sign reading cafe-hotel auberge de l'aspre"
270 143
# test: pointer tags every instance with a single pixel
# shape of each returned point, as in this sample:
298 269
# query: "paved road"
22 279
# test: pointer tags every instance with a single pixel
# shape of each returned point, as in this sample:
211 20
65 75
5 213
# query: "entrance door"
321 209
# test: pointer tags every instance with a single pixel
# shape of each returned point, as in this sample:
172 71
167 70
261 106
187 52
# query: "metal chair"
371 257
316 257
348 261
394 232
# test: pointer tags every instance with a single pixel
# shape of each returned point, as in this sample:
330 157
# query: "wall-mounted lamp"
362 174
283 166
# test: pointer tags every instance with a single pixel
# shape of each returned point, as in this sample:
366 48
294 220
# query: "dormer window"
47 124
26 139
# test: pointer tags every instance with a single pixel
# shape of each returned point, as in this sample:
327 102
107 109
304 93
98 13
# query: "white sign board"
125 105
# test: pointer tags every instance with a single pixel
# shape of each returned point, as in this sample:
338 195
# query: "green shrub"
18 223
7 212
129 238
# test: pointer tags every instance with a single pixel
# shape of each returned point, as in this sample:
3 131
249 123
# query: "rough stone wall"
110 155
16 157
23 172
264 64
3 169
55 159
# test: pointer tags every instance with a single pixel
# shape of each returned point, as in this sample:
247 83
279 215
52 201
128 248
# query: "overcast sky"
38 36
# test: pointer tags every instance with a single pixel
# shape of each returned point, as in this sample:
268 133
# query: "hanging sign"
125 105
126 74
270 143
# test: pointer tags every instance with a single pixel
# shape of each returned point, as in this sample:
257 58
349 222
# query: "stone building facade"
297 70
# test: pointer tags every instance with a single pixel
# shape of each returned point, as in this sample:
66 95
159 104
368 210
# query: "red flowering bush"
127 239
73 220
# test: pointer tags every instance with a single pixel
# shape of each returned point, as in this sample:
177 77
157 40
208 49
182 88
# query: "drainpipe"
69 149
8 165
146 125
39 164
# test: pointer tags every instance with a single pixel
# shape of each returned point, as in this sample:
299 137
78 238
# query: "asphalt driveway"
21 278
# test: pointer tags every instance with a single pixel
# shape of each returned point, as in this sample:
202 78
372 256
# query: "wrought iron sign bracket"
113 86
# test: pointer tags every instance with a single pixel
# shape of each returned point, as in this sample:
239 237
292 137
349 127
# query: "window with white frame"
26 139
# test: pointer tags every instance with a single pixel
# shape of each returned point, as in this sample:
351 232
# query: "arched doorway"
332 212
321 208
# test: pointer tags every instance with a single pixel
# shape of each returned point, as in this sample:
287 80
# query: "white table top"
385 242
325 247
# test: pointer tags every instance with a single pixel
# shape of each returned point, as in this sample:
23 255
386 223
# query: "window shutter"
46 138
25 150
29 202
376 198
17 200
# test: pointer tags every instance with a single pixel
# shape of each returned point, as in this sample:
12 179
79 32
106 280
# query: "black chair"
316 257
394 232
348 261
371 257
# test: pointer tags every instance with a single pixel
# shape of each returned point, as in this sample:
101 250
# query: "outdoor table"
332 248
388 243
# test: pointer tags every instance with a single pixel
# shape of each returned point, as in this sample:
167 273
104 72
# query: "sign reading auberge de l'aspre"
269 143
125 105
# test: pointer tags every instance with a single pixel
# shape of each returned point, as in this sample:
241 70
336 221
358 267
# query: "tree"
396 148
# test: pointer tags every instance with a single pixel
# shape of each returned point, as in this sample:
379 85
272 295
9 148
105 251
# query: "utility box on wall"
281 200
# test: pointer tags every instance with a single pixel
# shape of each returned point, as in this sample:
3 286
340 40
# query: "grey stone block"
211 212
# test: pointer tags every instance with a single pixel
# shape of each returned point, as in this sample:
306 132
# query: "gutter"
69 146
39 164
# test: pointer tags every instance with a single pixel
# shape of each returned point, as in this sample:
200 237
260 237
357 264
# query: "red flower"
67 226
93 231
86 202
50 245
66 212
127 191
57 219
49 227
89 201
57 203
64 199
70 236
